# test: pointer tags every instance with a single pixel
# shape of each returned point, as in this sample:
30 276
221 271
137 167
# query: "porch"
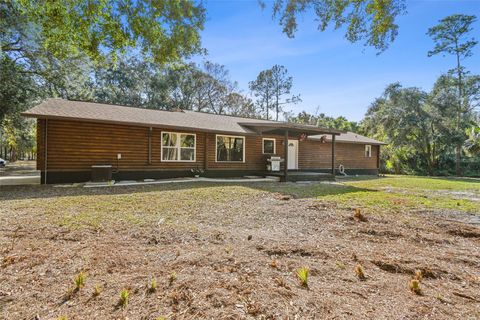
292 134
294 175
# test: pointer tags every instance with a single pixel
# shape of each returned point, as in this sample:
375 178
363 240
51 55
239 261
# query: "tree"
451 36
410 123
262 89
282 84
270 89
165 30
370 20
237 104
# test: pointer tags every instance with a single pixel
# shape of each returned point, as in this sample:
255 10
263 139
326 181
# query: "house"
143 143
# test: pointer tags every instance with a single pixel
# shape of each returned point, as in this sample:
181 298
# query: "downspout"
150 145
46 148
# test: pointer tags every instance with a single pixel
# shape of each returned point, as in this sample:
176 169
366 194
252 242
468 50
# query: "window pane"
237 150
187 154
169 153
221 149
169 139
187 141
268 146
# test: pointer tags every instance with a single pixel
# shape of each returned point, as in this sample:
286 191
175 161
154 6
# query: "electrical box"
119 156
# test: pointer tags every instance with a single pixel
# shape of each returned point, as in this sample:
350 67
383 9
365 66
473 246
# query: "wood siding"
77 145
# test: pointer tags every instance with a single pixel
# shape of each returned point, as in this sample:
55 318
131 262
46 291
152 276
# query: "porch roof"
292 128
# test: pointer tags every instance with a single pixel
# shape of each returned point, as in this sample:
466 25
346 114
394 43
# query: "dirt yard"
210 251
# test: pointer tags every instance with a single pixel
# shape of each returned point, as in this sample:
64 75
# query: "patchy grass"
217 251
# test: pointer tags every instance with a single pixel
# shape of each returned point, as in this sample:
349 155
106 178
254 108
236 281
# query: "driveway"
19 173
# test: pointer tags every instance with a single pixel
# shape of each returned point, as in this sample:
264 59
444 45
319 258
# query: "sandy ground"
237 259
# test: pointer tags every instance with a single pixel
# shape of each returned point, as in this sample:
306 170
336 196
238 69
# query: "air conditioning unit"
101 172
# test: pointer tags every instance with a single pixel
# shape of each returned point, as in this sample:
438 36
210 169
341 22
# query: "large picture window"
178 146
230 148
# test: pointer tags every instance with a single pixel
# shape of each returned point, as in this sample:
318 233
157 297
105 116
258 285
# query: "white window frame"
274 145
229 136
368 151
178 146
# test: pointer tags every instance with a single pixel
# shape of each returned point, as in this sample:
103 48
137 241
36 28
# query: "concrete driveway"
19 173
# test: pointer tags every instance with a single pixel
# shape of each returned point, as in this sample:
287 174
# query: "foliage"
323 121
360 272
451 36
80 280
302 275
124 296
371 21
165 30
414 286
153 285
270 88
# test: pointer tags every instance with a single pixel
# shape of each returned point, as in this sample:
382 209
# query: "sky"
332 75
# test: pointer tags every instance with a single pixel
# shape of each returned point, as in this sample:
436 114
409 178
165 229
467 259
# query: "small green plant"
124 295
415 286
360 272
340 265
302 275
97 289
173 277
62 318
153 285
161 318
80 280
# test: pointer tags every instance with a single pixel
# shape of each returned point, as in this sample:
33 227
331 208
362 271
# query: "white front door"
292 154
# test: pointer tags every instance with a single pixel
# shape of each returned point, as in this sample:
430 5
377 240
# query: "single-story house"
73 136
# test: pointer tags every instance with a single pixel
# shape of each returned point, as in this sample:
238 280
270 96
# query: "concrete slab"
19 180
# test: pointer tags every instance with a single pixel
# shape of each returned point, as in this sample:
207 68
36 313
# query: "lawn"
233 250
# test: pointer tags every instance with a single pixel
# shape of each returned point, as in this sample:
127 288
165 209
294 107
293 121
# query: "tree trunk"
458 159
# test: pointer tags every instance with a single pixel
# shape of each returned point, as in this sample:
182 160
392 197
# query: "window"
178 146
230 148
368 151
268 146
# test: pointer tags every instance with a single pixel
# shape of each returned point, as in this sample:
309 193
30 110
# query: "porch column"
333 154
285 156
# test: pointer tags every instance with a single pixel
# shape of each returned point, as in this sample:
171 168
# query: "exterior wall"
74 146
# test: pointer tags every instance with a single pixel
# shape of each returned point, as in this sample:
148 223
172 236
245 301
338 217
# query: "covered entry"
293 134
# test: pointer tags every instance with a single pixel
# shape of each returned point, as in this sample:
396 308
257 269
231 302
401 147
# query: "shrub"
173 277
302 275
360 272
415 286
124 295
80 280
97 290
359 215
153 285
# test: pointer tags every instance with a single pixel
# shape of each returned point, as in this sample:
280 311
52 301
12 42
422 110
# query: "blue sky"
331 74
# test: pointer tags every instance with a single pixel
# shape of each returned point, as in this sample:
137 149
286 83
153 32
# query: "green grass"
394 193
76 208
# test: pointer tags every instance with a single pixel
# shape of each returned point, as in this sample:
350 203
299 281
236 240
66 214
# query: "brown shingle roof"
98 112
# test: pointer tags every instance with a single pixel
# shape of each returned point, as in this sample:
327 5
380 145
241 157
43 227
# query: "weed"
80 280
124 295
418 275
153 285
173 277
359 215
274 264
62 318
360 272
340 265
302 275
415 286
161 318
97 290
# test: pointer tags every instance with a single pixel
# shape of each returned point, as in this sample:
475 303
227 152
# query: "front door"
292 154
